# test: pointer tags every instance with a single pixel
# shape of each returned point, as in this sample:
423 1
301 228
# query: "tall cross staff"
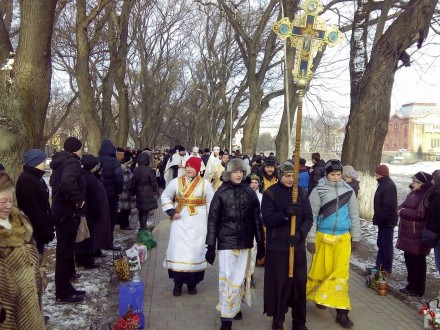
308 33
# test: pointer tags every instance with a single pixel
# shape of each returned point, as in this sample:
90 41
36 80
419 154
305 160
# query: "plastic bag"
128 321
145 237
133 259
131 296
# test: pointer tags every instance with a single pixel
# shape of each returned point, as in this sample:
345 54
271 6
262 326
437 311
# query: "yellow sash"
185 198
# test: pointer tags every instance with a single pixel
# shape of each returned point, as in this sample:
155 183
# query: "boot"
142 223
343 319
192 290
177 291
277 324
226 325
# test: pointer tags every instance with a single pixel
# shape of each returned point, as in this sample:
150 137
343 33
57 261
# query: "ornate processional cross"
308 34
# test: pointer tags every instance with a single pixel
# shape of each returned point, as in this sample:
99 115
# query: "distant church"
416 127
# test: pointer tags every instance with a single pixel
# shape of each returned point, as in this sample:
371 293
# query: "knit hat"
270 161
333 165
422 177
89 161
350 172
34 157
72 144
233 165
285 167
253 176
195 163
382 170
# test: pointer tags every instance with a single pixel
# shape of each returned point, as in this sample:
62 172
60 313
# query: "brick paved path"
166 312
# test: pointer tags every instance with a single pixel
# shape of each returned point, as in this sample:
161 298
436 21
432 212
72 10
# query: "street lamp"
230 105
212 114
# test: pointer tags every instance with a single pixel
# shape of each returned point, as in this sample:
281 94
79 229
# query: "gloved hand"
292 209
355 245
261 250
293 240
311 247
210 254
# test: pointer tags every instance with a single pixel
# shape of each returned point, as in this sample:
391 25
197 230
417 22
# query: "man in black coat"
33 197
317 171
280 291
68 203
385 217
234 220
113 181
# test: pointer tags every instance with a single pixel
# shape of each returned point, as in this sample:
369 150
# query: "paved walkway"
166 312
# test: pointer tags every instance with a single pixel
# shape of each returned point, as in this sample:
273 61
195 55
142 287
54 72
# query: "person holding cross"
334 235
281 291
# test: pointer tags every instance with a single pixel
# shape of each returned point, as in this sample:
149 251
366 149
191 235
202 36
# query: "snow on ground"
410 170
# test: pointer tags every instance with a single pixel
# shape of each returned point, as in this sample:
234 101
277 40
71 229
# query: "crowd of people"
222 205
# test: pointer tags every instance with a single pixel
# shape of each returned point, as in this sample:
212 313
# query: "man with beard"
268 174
176 165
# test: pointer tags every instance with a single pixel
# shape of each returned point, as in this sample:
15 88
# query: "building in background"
416 129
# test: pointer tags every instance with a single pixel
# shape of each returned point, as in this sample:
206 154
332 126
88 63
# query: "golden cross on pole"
308 34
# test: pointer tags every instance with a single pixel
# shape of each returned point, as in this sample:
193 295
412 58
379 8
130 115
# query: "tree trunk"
34 66
371 89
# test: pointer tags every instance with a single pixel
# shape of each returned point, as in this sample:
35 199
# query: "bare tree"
25 79
372 78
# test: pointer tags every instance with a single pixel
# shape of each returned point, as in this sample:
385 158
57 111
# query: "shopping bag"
131 297
145 237
142 250
122 269
83 231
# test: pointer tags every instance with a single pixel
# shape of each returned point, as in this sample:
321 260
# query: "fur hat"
285 167
89 161
34 157
72 144
350 172
382 170
195 163
235 164
333 165
422 177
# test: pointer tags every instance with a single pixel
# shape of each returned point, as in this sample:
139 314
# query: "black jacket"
275 200
112 178
385 203
33 199
143 184
433 211
68 191
234 218
318 172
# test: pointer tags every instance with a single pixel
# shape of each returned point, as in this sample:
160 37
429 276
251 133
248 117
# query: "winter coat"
93 213
104 236
33 199
111 169
335 210
412 222
126 201
303 178
68 190
144 184
317 173
20 289
433 211
275 201
385 203
234 218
